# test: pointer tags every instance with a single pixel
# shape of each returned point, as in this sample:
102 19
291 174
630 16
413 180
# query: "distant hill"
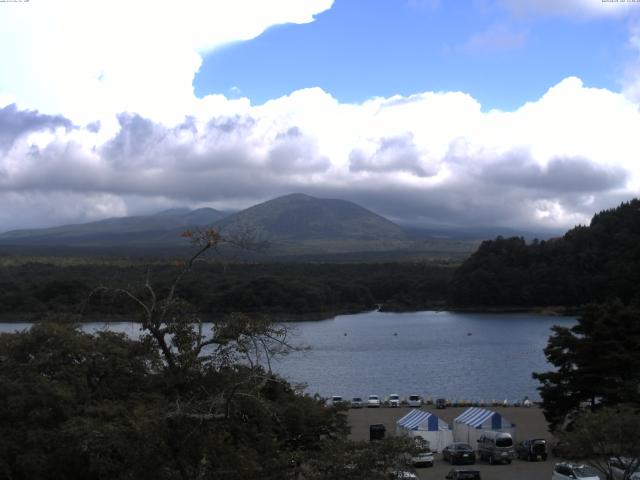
588 264
302 217
299 223
116 231
292 225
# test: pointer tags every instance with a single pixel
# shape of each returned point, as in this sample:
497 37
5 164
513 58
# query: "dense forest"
277 289
588 264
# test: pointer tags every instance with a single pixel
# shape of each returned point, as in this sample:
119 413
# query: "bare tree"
176 328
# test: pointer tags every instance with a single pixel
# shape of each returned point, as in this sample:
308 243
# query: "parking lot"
530 423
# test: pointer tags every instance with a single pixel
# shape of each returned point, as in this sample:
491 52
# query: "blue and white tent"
418 423
469 425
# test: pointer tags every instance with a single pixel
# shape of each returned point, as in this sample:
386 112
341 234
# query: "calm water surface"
453 355
439 354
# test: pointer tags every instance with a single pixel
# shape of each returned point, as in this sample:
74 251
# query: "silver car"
568 471
394 400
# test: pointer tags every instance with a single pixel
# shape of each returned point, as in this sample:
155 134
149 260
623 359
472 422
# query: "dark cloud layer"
15 123
564 174
233 160
395 154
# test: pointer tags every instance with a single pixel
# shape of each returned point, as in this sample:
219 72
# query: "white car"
336 400
422 459
394 400
414 401
619 465
568 471
373 401
399 475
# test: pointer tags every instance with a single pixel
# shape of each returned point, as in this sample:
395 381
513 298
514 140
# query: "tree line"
592 263
292 289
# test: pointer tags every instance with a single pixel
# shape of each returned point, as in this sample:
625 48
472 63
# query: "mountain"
313 224
116 231
302 217
292 226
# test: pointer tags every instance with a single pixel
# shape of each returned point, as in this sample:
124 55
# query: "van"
496 447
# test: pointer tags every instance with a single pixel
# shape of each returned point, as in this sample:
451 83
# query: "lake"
463 356
438 354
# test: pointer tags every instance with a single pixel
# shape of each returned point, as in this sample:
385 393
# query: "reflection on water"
439 354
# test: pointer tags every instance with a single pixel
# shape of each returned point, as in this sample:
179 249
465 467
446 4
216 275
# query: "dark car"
377 431
459 453
463 475
441 403
532 449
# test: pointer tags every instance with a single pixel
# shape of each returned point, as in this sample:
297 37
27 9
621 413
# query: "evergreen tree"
597 361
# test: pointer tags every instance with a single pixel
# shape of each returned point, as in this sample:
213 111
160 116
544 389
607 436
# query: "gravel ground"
530 423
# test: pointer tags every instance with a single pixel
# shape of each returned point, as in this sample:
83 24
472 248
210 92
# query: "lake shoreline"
286 317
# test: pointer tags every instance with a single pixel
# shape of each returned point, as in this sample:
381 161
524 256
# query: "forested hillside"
588 264
289 289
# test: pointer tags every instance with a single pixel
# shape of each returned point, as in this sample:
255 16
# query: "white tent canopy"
470 424
418 423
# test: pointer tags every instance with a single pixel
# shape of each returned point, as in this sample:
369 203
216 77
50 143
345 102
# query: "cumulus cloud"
102 120
560 176
94 58
430 158
396 154
14 123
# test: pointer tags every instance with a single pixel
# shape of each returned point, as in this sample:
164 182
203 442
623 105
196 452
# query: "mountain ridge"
302 217
115 226
294 224
297 221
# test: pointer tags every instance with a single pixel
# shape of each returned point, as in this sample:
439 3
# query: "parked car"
618 466
357 402
414 401
422 459
532 449
457 474
373 401
377 431
402 475
569 471
394 400
496 447
336 400
441 403
458 453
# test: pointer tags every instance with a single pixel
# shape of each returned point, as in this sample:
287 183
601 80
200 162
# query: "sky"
466 113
